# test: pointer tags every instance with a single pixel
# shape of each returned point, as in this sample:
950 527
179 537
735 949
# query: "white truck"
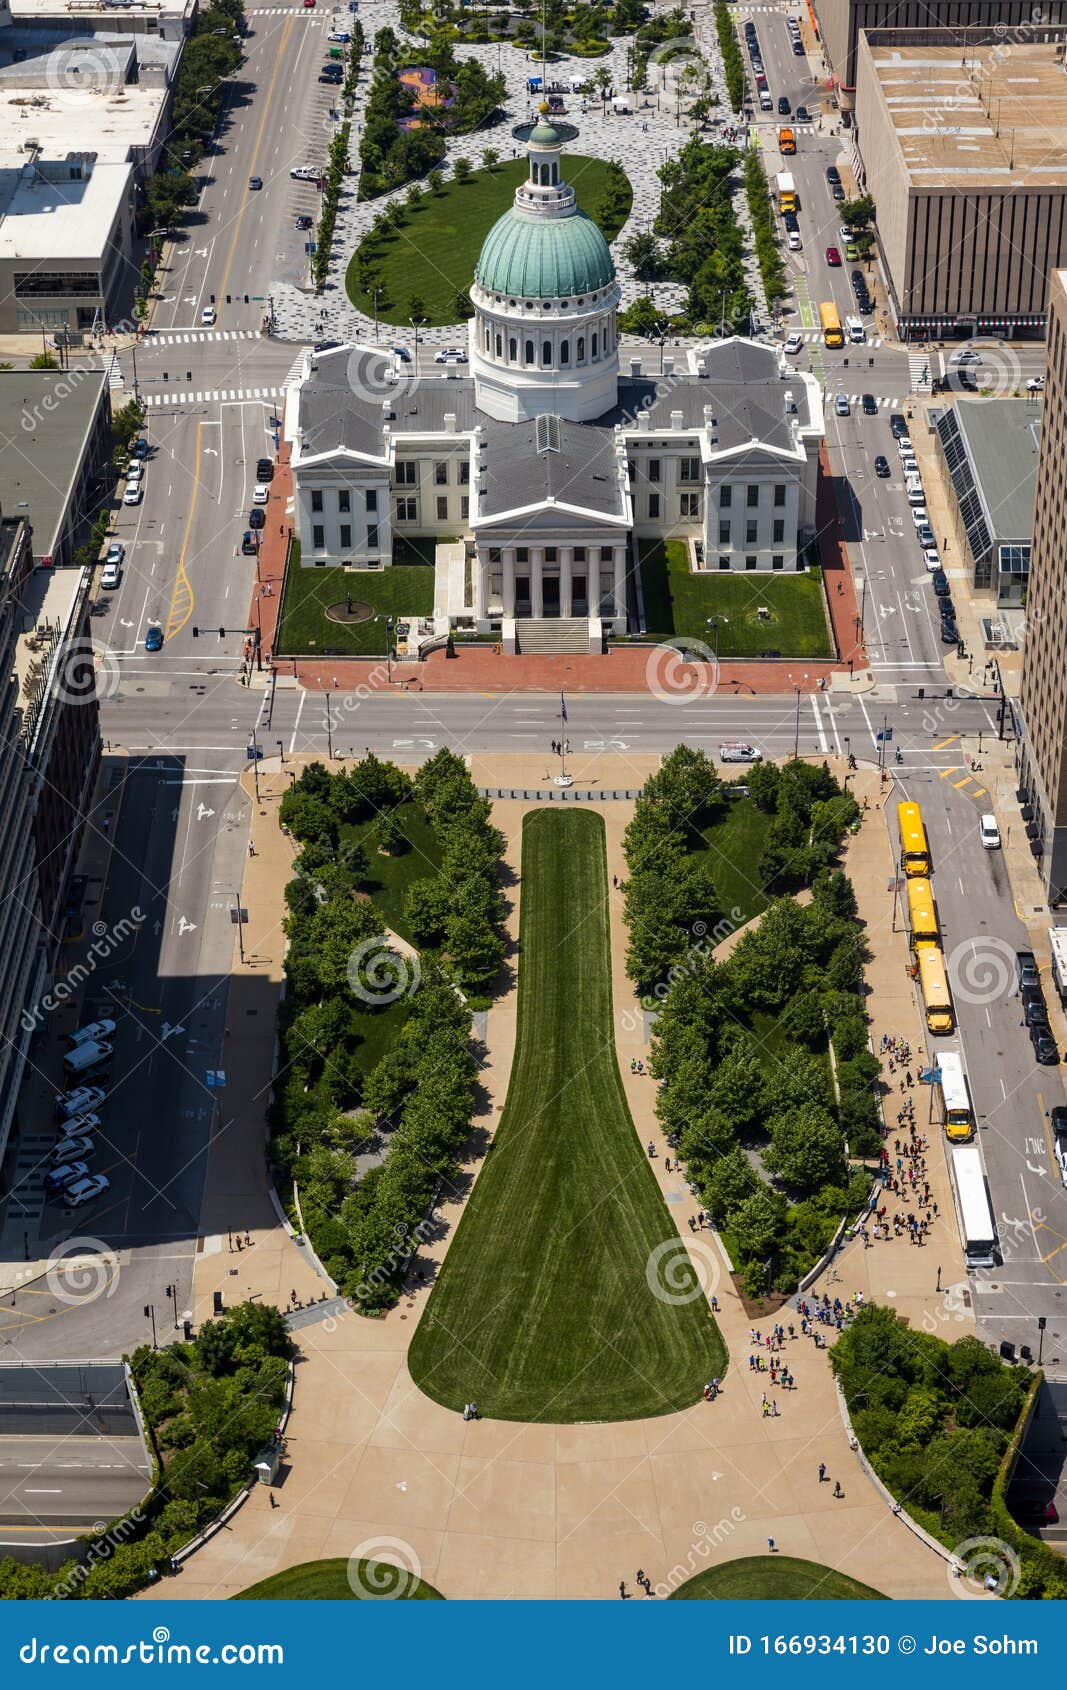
855 330
1057 942
84 1057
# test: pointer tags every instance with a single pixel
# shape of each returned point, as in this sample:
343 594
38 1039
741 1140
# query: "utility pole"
240 932
172 1292
150 1314
796 730
329 729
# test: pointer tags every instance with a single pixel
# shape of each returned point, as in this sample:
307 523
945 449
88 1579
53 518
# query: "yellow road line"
282 45
943 774
940 746
966 781
182 600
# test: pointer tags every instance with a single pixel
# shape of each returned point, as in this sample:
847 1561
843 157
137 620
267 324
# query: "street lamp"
374 299
417 323
796 730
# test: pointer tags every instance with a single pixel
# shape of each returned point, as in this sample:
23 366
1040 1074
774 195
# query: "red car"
308 5
833 257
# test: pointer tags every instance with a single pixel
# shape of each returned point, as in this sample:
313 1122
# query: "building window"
724 562
487 337
725 494
551 554
750 562
405 510
464 508
689 469
346 536
653 469
499 347
690 504
513 350
777 561
593 348
522 554
495 555
606 554
316 499
442 508
465 472
779 495
528 356
751 531
579 553
372 500
318 537
372 536
581 349
778 534
405 473
564 351
344 501
546 352
724 533
653 504
440 473
752 497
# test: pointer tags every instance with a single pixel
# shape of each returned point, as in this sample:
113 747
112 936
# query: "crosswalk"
187 337
871 343
919 372
883 402
213 396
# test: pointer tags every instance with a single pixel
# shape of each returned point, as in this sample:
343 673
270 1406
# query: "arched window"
564 351
499 347
513 350
555 174
487 339
581 349
528 352
546 175
593 349
546 352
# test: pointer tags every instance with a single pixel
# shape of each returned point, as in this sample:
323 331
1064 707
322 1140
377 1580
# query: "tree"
490 158
389 840
427 908
857 213
416 306
806 1149
473 945
461 169
643 255
44 361
759 1223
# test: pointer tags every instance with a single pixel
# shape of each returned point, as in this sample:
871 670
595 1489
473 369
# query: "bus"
832 332
922 914
957 1116
933 983
914 851
973 1213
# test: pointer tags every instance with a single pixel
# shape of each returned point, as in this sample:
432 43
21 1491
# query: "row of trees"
210 54
336 170
935 1421
764 228
211 1406
696 219
732 61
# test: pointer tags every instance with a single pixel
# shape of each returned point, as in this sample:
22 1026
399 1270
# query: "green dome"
544 135
544 257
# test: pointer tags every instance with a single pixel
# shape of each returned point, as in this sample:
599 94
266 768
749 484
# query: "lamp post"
374 298
417 323
796 729
150 1314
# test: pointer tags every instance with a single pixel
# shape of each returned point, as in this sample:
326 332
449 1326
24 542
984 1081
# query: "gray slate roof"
1002 440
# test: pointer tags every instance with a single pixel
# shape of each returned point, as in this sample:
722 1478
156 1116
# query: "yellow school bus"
922 914
933 983
914 851
830 323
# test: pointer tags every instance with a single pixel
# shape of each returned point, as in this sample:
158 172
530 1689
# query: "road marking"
182 599
281 51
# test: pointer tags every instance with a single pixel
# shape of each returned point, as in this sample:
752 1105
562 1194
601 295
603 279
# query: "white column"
566 581
509 580
620 581
537 564
592 579
481 585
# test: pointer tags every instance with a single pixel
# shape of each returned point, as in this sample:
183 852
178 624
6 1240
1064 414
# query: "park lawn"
389 877
678 603
774 1578
434 254
735 845
542 1310
401 589
328 1581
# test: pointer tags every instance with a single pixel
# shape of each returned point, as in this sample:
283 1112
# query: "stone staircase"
549 635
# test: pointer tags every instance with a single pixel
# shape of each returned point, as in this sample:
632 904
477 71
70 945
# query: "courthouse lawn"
678 603
774 1578
329 1581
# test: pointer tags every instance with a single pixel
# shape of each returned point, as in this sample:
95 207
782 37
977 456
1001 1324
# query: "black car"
1026 970
1035 1011
837 192
791 222
881 466
832 173
802 114
898 425
256 517
1044 1045
868 405
1058 1120
798 47
264 469
950 634
255 183
331 80
784 107
304 221
326 345
940 581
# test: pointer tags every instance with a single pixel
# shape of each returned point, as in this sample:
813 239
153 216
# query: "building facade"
534 479
1042 745
841 23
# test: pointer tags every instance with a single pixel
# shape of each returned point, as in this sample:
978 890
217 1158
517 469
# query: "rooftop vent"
546 432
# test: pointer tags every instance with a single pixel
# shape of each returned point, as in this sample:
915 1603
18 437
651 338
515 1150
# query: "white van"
856 331
87 1056
916 496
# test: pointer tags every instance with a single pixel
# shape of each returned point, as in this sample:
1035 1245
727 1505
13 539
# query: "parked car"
110 576
1035 384
881 467
140 447
794 242
135 471
304 173
940 581
791 222
926 537
264 469
256 517
837 192
249 548
1035 1009
832 173
920 516
260 493
79 1101
208 316
85 1057
1045 1048
67 1173
84 1190
738 751
852 251
842 406
341 35
833 258
304 221
116 552
1058 1121
794 344
79 1126
950 634
133 494
95 1030
1026 969
76 1144
897 425
153 640
932 558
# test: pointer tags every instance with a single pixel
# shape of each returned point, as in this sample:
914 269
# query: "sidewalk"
509 1510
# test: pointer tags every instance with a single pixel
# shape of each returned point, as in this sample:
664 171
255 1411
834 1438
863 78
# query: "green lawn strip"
542 1310
435 252
389 877
678 603
328 1581
397 590
774 1578
735 845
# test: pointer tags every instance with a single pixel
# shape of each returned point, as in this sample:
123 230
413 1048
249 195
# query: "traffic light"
246 299
222 633
229 301
196 632
212 299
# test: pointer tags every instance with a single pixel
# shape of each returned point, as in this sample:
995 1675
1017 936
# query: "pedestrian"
822 1471
251 849
248 1241
838 1492
770 1544
715 1303
623 1592
273 1500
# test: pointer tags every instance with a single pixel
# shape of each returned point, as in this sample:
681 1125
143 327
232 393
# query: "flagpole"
563 778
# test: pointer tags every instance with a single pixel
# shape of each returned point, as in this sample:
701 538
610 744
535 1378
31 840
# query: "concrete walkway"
506 1510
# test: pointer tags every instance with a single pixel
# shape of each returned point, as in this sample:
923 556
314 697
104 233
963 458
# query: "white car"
81 1125
1061 1160
95 1030
989 833
1036 384
341 35
112 575
969 357
794 243
904 446
304 173
134 493
76 1145
135 472
80 1100
932 558
794 344
260 493
84 1190
68 1173
736 751
919 516
451 355
116 552
207 316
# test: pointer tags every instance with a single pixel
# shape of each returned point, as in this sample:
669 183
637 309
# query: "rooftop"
66 219
48 601
112 124
44 419
1002 438
972 117
81 11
